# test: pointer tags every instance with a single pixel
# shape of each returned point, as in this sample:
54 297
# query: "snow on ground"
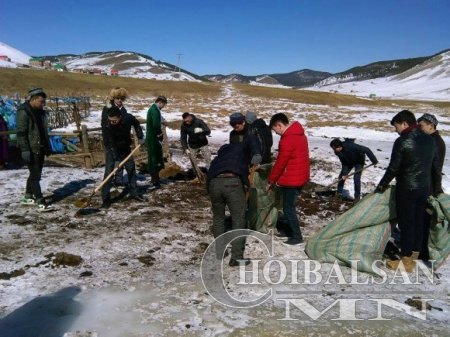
7 64
140 274
429 81
15 55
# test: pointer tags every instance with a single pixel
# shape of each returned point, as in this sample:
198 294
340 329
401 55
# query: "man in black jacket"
264 134
227 176
428 124
242 133
414 161
193 139
351 156
33 141
117 141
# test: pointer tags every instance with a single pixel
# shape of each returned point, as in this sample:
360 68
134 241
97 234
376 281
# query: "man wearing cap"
428 124
117 97
154 137
243 134
193 132
33 141
117 140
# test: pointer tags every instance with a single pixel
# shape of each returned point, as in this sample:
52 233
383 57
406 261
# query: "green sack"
439 239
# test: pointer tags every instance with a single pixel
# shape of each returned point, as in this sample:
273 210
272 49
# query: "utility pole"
178 65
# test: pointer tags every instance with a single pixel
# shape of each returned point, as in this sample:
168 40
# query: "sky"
249 37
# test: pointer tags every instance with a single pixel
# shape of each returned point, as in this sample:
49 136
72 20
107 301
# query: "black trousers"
33 187
410 206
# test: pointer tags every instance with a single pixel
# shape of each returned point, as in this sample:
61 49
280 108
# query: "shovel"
325 188
200 175
85 202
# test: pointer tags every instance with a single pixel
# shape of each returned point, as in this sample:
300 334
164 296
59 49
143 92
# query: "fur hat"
237 118
429 118
118 92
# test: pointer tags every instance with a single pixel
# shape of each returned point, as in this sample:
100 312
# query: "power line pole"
178 64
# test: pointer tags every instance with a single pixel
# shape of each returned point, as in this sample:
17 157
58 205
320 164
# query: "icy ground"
140 273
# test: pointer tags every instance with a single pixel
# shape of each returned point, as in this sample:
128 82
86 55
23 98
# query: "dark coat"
188 136
118 137
231 158
441 148
354 154
32 134
291 168
414 161
262 131
250 142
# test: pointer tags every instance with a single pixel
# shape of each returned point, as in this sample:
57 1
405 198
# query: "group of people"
416 164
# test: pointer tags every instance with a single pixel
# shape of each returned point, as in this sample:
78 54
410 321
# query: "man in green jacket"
154 137
33 141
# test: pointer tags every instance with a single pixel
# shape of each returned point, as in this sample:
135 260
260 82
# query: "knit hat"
428 118
36 92
250 117
237 118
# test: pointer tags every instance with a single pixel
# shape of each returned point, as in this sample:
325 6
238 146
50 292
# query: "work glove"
141 141
198 130
26 156
381 189
187 151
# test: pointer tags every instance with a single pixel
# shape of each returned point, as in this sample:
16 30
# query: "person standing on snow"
262 131
117 140
428 124
34 143
117 97
414 161
351 156
154 137
243 134
193 132
291 169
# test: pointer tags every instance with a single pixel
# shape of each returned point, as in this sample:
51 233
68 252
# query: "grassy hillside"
64 83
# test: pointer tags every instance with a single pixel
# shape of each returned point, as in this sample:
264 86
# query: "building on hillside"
37 62
47 64
5 58
97 71
59 67
114 72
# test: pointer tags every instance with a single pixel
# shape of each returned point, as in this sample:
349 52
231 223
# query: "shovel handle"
116 169
349 175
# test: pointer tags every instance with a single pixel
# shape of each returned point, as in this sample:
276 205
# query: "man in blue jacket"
351 156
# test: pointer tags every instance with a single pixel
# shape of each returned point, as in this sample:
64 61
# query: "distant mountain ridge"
130 64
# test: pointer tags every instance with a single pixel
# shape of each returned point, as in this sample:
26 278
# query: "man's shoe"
43 207
106 203
281 235
28 201
293 242
236 262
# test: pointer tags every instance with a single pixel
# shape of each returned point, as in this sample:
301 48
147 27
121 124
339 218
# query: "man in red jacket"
291 169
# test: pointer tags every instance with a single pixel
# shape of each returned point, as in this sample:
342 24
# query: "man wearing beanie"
33 141
243 134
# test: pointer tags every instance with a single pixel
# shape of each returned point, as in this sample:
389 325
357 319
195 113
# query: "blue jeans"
356 178
289 197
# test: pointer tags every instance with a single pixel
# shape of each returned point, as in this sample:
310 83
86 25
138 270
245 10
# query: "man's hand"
198 130
141 141
268 187
187 152
344 178
160 137
116 164
26 156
